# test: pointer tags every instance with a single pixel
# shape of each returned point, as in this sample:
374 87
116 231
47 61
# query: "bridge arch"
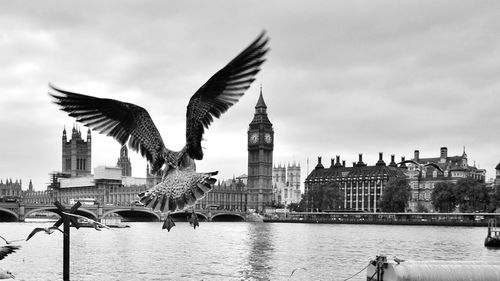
12 216
81 211
227 217
136 214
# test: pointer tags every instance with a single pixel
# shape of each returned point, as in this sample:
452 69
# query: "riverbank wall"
439 219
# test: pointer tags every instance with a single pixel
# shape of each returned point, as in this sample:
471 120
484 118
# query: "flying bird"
295 269
8 242
398 260
4 251
94 223
181 185
47 230
421 166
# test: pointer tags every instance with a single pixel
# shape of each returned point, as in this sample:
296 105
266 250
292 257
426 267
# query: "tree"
494 199
421 208
396 195
472 195
294 207
443 197
323 197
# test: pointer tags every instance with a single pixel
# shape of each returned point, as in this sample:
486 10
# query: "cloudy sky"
342 77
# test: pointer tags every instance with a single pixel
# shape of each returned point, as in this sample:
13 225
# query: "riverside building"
362 185
286 183
422 182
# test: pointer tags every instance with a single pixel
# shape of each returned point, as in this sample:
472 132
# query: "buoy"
382 270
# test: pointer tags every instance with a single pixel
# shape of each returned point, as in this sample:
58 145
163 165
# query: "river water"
234 250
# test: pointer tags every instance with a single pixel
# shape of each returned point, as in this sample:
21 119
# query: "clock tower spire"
260 158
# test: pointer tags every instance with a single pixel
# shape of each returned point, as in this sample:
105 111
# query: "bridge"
14 212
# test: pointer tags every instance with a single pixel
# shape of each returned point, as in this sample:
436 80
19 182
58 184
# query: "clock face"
268 138
254 138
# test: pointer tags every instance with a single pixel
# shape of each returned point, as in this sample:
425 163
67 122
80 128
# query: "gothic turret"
76 154
124 162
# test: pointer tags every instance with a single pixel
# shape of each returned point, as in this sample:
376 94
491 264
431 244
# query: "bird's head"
10 275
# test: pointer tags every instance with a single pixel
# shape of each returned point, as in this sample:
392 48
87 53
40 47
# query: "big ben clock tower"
260 158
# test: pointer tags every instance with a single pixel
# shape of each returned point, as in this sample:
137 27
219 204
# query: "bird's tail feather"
162 202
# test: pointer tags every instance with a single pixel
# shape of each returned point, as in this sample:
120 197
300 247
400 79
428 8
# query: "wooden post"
66 246
66 221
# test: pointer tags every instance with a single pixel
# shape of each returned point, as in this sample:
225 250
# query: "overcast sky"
342 77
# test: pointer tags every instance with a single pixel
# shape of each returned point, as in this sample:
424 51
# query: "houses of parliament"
262 187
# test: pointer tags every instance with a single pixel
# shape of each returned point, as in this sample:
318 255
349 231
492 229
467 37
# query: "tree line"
467 195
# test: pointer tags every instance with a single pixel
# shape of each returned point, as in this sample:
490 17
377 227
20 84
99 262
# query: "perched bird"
47 230
8 242
181 185
4 251
94 223
421 166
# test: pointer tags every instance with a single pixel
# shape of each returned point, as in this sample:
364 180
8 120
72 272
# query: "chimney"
360 162
417 155
343 163
444 152
332 163
393 163
380 161
337 161
403 165
319 166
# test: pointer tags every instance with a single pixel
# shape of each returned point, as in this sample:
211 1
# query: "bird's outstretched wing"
56 228
87 219
11 241
221 91
120 120
35 231
6 250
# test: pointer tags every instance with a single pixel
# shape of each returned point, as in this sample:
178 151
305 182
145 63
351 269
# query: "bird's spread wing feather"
221 91
33 232
87 219
6 250
120 120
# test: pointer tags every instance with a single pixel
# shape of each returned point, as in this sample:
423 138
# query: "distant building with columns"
230 195
361 185
286 183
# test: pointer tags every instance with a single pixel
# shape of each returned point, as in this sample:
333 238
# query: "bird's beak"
12 276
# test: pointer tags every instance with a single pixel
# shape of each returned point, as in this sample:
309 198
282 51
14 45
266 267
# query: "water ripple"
235 251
